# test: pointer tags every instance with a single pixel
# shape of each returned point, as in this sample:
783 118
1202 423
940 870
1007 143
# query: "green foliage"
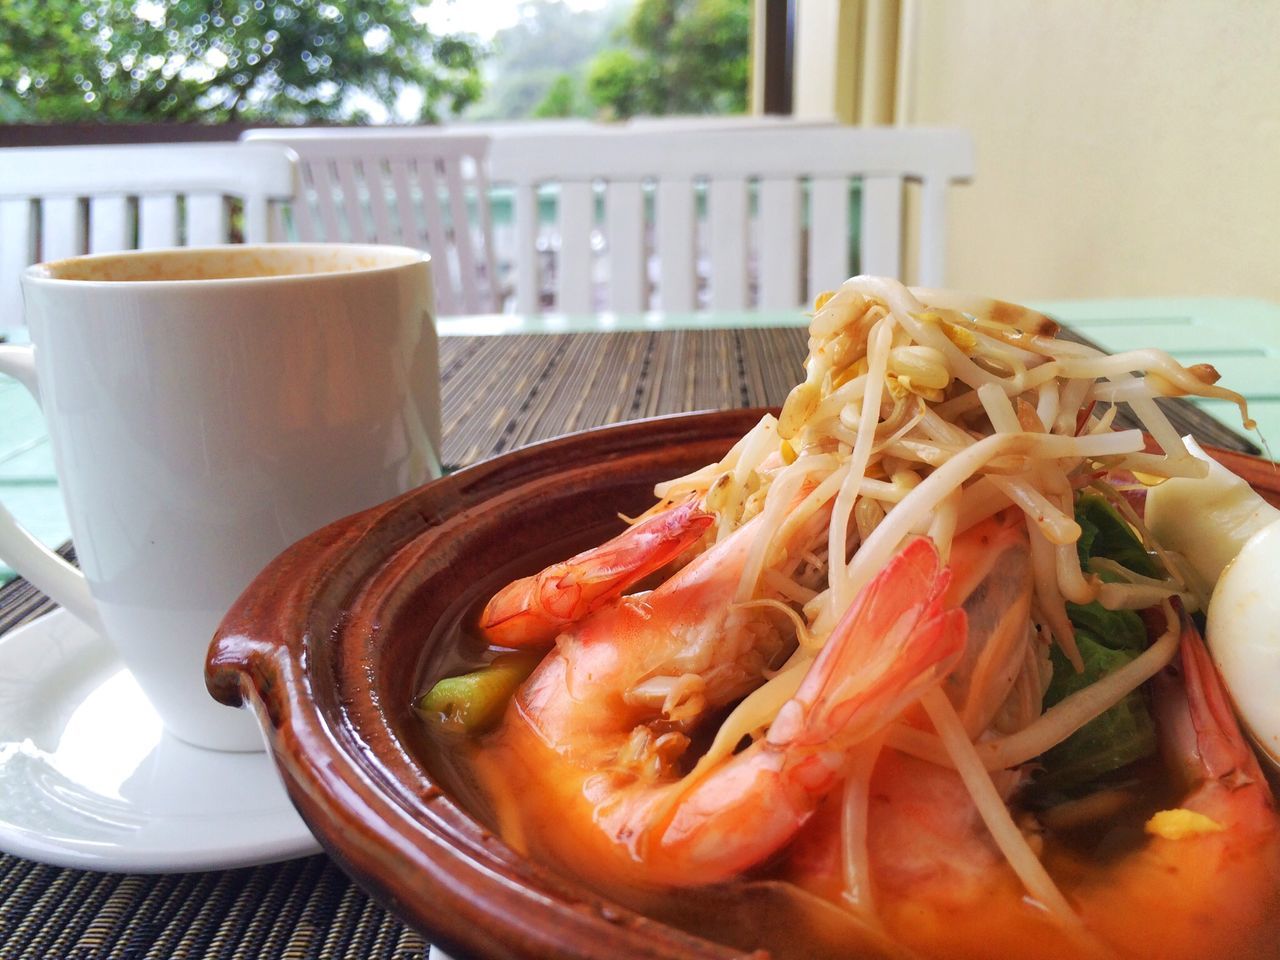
219 60
683 57
549 41
617 81
561 99
1114 629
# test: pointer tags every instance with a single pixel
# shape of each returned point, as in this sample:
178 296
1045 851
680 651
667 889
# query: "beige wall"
846 54
826 83
1124 147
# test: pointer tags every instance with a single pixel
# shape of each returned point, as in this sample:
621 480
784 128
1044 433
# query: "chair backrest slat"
777 253
17 240
157 221
727 233
372 168
459 238
257 220
303 214
206 219
322 177
676 232
933 232
577 220
624 216
882 226
528 276
483 235
60 228
352 205
828 233
277 228
408 232
445 215
86 198
109 224
437 237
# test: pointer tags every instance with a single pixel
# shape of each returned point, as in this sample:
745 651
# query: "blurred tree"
219 60
683 56
562 99
548 42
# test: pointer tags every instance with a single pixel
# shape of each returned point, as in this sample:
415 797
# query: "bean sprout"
931 412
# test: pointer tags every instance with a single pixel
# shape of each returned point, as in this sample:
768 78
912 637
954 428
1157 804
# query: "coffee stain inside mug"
233 263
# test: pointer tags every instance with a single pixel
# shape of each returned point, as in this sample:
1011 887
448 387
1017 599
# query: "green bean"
474 702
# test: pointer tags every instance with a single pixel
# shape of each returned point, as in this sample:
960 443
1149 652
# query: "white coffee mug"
207 408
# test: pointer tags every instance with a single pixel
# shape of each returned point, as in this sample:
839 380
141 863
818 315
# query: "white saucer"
89 778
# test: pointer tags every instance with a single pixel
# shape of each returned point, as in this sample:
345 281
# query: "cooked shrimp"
667 657
940 885
993 581
896 640
874 746
1203 875
532 610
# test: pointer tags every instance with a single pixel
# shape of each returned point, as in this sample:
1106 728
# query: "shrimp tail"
894 641
1210 861
1203 739
532 611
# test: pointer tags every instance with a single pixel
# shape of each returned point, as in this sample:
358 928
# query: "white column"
828 46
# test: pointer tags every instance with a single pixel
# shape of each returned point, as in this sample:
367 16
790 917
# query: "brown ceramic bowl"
333 641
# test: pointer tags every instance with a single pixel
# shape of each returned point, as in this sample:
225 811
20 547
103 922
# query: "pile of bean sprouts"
926 412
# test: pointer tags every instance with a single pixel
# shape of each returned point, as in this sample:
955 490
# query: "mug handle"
42 568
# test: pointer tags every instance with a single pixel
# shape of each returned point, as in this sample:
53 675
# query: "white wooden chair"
59 202
777 211
411 186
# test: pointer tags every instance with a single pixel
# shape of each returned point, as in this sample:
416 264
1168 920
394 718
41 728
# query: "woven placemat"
304 909
498 393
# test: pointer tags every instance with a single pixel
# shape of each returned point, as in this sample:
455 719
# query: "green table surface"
1241 337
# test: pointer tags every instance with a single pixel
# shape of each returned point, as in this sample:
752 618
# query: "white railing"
731 218
672 213
60 202
678 214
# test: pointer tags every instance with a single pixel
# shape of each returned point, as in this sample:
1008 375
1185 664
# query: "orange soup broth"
1204 897
1211 896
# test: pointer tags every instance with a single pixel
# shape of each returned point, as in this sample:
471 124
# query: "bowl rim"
485 899
381 816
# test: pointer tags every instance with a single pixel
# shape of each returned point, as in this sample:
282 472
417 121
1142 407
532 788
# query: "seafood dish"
918 666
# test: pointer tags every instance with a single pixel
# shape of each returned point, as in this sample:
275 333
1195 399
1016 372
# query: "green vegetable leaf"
1122 735
1104 533
1114 629
1107 640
